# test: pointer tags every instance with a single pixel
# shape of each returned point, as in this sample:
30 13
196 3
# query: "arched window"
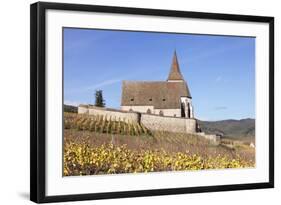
188 110
182 110
131 110
148 111
161 113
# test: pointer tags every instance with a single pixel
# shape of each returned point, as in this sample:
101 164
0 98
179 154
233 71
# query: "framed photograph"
129 102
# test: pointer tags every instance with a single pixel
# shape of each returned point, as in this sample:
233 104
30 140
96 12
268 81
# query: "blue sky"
219 70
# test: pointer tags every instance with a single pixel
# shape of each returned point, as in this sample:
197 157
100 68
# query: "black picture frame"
38 103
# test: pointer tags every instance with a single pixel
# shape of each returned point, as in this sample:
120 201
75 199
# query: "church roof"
160 94
175 73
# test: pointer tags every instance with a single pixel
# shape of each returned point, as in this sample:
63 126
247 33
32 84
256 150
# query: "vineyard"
95 145
81 159
101 124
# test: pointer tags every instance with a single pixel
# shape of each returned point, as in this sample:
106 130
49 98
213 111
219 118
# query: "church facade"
165 98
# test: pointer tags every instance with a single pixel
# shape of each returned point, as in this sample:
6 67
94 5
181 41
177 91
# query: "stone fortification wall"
153 122
172 124
83 109
213 138
112 114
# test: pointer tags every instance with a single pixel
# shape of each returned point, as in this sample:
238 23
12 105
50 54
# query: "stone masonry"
151 121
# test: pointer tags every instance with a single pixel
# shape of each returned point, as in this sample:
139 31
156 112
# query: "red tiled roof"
160 94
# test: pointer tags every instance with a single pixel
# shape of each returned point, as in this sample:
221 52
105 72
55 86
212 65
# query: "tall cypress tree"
100 102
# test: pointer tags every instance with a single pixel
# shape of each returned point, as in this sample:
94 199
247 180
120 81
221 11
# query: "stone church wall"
112 114
172 124
169 112
83 109
143 109
153 122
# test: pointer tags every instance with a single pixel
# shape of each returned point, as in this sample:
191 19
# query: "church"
165 98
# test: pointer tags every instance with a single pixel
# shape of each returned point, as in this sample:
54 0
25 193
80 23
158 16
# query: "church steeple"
175 73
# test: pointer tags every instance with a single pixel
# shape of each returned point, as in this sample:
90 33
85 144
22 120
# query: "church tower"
175 73
176 76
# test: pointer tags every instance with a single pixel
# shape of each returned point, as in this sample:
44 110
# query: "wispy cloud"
218 79
220 108
71 44
88 88
103 84
216 51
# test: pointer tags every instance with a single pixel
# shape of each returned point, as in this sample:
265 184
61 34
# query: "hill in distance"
230 128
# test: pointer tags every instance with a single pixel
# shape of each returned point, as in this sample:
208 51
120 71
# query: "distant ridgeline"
229 128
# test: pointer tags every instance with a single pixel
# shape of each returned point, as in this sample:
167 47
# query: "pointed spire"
175 73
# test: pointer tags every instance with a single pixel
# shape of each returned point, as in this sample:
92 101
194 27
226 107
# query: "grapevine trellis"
101 124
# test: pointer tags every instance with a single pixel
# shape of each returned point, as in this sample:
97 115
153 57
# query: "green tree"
100 102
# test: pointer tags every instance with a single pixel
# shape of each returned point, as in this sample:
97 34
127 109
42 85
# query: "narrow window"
182 110
148 111
164 99
132 99
150 99
188 110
